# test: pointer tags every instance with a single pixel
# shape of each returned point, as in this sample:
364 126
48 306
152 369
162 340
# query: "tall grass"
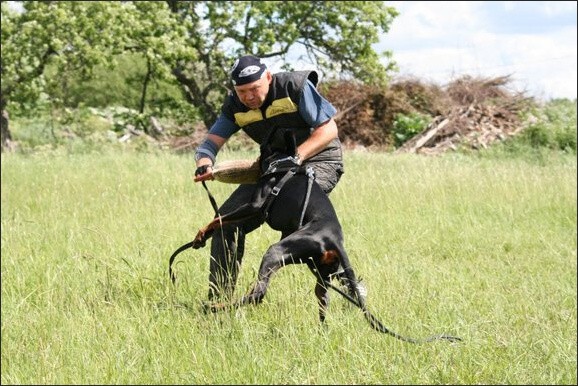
470 246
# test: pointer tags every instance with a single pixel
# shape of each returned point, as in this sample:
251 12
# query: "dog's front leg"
269 266
254 296
240 214
205 233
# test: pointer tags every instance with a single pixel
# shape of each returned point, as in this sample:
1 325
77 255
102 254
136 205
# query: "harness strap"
212 199
276 189
311 174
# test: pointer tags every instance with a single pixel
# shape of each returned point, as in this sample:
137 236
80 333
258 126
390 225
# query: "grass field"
481 248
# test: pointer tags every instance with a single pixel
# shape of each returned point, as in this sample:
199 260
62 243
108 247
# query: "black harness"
277 188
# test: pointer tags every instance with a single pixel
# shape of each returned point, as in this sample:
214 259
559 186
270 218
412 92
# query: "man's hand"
283 164
201 170
203 173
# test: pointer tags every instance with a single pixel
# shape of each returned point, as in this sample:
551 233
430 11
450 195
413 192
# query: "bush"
553 126
407 126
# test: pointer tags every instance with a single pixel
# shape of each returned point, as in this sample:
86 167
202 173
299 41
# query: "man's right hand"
203 173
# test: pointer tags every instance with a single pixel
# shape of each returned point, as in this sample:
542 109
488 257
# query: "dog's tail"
172 259
373 321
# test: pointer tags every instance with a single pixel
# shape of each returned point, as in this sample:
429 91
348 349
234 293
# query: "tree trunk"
195 96
7 143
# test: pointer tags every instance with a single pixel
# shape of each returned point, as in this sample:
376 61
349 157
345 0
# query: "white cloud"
535 42
547 8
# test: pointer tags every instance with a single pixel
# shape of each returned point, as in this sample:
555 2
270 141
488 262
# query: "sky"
532 41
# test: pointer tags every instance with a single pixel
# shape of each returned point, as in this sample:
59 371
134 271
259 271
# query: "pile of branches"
472 112
366 114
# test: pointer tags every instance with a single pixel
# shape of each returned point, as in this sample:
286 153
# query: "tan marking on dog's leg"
328 257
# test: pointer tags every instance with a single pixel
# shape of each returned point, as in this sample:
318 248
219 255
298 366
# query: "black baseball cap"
247 69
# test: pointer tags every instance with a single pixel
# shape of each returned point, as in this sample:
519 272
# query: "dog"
290 201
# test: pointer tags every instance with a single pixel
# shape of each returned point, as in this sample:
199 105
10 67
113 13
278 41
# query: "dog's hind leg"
322 298
350 277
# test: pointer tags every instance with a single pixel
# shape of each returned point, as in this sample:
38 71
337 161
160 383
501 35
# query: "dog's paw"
199 242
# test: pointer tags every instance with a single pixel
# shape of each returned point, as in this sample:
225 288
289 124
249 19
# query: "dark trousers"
228 243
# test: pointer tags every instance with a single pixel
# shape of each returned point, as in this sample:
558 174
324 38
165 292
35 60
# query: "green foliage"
69 34
407 126
337 35
66 130
122 88
555 127
198 40
74 37
551 126
33 133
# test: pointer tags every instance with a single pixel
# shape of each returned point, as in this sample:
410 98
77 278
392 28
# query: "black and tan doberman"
291 202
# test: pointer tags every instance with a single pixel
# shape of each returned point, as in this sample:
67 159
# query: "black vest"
279 113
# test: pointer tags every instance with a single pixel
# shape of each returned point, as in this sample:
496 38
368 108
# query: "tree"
334 36
44 32
79 36
194 41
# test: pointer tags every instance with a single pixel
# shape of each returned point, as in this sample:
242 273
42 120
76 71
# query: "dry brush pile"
469 111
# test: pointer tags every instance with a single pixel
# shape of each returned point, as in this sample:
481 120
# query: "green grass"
472 246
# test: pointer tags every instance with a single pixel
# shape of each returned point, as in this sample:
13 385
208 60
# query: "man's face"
253 94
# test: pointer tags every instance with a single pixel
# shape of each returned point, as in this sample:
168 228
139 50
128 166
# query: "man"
265 105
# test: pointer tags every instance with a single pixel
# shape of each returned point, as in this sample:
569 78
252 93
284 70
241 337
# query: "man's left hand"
283 164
